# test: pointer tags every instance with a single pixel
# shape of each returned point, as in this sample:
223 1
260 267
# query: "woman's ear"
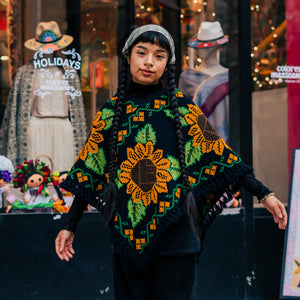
128 59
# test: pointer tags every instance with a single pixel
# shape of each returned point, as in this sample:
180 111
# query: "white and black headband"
151 27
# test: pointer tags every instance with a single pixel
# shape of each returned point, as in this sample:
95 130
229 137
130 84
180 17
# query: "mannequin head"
206 46
205 53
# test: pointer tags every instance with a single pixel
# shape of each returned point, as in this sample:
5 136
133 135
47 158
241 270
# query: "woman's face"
147 63
34 180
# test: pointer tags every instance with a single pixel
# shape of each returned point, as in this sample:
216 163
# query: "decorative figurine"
32 178
6 170
62 199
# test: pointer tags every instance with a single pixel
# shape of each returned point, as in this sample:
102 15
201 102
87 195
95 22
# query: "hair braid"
111 195
189 207
179 134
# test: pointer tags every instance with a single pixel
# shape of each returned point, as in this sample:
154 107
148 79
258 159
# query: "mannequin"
45 113
207 84
210 64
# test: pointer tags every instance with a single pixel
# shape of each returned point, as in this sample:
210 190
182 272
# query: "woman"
158 172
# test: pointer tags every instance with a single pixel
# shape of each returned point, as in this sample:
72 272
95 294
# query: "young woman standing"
158 172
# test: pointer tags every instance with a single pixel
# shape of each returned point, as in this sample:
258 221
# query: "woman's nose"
149 60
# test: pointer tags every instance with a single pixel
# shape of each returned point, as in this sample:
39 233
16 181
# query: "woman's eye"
32 181
141 53
40 179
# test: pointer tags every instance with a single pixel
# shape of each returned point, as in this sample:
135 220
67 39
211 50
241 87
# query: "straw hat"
210 34
48 36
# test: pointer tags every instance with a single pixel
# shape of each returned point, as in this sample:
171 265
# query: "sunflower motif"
94 139
145 173
203 133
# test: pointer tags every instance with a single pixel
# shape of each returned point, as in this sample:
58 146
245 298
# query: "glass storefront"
209 54
270 94
98 47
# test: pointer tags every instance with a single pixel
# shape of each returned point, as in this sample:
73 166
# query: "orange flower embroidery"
94 139
203 133
145 173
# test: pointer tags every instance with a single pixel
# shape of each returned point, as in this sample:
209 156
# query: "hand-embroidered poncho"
148 178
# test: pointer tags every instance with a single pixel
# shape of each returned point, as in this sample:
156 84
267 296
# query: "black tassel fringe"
110 198
190 210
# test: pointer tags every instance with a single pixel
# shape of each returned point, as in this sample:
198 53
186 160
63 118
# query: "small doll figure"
62 199
6 170
33 178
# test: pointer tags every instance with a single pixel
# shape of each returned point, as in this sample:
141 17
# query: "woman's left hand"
277 209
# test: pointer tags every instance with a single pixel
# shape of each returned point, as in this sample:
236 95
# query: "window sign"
290 74
51 77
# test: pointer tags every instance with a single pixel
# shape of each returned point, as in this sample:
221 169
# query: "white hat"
210 34
6 164
47 36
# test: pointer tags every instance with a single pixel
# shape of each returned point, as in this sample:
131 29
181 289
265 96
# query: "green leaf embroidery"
192 154
169 113
174 168
118 182
107 116
136 212
183 110
96 162
146 134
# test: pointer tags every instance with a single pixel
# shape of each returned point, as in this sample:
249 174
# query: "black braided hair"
189 205
110 196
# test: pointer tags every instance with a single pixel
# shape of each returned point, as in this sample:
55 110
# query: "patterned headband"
151 27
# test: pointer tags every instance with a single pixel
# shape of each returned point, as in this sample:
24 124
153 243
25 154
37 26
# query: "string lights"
266 39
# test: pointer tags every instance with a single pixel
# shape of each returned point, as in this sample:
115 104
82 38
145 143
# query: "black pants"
167 278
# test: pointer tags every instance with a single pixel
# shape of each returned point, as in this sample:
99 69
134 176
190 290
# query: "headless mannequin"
210 64
193 76
211 95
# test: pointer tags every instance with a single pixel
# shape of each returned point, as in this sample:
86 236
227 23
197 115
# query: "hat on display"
210 34
48 36
6 164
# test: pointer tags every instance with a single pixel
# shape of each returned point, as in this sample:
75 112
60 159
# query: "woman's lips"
146 72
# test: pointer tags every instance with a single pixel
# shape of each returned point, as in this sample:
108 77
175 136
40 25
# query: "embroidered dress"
150 186
14 133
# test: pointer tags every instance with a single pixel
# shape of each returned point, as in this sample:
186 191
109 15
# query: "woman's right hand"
64 245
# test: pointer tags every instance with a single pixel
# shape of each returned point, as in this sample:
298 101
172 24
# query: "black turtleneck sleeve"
254 186
75 213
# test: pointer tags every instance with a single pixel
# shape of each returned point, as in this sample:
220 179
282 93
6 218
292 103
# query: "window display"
44 113
98 40
207 83
268 28
270 93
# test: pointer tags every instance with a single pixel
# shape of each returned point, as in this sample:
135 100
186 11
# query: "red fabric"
3 22
293 59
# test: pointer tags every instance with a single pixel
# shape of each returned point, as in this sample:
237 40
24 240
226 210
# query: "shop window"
270 94
99 72
91 49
